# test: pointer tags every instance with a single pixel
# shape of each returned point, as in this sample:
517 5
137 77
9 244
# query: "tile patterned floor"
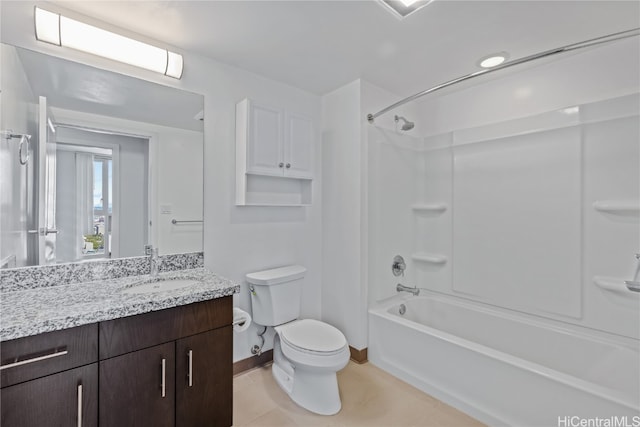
370 397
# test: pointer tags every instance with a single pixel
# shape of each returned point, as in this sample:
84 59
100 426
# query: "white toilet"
306 353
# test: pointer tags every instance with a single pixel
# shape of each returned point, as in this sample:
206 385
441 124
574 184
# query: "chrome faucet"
154 265
401 288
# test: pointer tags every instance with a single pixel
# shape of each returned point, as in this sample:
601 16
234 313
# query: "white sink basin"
160 286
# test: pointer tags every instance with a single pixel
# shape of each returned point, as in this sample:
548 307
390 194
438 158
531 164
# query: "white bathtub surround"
544 213
529 370
539 173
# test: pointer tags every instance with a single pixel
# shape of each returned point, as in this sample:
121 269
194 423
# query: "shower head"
407 124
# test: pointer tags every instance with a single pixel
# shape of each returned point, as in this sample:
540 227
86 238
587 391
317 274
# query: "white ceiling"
321 45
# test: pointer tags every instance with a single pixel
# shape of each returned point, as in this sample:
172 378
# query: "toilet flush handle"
252 290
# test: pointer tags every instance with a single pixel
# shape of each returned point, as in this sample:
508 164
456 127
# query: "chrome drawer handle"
190 373
163 383
55 353
79 405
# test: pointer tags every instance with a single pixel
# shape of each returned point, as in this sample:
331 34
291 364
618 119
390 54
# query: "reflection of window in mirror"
106 216
97 243
84 205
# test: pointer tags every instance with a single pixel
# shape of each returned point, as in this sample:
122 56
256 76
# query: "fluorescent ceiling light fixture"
493 60
62 31
402 8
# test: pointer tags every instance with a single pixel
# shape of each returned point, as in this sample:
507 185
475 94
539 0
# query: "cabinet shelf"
619 207
429 258
262 190
261 174
429 207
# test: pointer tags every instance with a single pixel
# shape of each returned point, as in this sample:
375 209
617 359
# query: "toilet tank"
275 298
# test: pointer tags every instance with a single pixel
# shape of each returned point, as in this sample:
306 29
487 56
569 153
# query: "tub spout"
401 288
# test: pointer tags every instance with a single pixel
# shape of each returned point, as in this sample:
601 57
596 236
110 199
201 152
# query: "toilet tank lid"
276 275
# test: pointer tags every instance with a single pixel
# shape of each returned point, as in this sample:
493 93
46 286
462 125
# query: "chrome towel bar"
175 221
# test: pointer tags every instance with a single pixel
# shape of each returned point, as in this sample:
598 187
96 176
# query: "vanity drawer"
133 333
32 357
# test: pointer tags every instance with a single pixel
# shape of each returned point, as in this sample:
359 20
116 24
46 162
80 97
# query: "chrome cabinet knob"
280 164
288 165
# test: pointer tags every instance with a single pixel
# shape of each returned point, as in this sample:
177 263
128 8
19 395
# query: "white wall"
342 290
237 240
345 216
180 188
18 113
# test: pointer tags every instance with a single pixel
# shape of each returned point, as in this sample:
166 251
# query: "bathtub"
504 368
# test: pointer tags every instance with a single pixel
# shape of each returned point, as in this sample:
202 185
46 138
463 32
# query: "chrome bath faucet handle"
398 266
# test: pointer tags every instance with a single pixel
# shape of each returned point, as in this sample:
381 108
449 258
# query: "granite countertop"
34 311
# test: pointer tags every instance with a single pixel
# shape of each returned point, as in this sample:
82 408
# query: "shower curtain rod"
574 46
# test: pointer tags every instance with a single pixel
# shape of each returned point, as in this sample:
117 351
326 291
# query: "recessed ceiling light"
402 8
493 60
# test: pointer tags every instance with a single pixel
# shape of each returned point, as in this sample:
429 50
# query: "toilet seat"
312 337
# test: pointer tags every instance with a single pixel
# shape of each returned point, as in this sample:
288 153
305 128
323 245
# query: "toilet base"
311 387
316 392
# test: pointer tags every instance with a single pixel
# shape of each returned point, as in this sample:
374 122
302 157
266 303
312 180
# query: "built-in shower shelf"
429 207
613 284
429 258
620 207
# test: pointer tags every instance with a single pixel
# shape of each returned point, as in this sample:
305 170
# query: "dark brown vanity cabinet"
165 368
55 400
168 367
50 379
204 370
138 388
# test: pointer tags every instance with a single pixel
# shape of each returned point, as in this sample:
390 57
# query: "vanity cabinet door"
55 400
138 388
204 379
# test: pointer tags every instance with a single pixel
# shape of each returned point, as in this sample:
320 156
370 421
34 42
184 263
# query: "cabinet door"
266 139
55 400
204 379
137 390
298 147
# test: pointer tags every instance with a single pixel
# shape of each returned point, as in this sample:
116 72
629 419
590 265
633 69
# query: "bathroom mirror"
95 164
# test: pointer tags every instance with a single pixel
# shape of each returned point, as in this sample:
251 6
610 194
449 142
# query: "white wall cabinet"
274 156
298 146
